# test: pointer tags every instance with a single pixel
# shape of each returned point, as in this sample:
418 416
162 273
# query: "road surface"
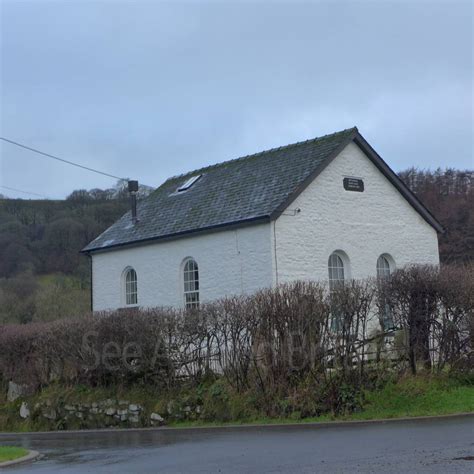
432 445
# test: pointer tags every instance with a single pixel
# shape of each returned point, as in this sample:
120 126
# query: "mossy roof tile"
249 188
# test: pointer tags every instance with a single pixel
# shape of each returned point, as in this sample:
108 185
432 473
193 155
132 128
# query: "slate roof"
252 188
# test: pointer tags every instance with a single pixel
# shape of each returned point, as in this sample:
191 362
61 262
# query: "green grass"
417 397
409 397
9 453
66 281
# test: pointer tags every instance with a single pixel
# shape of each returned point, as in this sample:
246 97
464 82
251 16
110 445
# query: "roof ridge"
252 155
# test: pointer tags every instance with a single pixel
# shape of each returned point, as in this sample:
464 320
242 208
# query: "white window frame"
186 185
130 280
384 268
338 272
190 283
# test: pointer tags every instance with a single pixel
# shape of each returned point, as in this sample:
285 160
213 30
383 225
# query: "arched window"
336 270
384 269
191 284
131 288
336 280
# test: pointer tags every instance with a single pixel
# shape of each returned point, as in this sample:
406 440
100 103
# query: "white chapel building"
327 208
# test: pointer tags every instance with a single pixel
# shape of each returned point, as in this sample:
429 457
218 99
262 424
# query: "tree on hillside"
17 298
62 241
449 195
16 258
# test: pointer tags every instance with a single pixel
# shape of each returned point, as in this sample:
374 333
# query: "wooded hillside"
43 276
449 195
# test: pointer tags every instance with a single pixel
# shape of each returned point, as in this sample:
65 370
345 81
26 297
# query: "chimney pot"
133 189
133 186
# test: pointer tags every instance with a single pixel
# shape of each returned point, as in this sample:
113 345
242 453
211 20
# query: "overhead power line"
62 159
24 192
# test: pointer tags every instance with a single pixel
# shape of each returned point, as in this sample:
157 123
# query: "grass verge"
9 453
408 397
418 396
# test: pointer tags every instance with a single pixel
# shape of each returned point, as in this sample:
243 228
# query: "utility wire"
62 159
24 192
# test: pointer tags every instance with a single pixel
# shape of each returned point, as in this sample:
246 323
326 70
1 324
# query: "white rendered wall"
230 262
362 224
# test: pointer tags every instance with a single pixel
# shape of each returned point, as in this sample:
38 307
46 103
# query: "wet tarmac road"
440 446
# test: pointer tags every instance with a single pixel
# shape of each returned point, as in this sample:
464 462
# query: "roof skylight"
189 183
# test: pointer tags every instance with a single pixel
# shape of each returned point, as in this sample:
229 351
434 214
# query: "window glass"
336 278
191 284
131 293
383 274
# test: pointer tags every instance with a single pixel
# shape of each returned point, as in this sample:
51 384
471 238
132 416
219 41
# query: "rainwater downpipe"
275 252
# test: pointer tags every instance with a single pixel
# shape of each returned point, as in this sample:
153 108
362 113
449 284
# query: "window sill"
130 306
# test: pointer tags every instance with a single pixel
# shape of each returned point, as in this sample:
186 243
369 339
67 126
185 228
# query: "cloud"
149 90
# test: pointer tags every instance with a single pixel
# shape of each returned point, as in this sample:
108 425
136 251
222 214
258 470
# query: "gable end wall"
363 225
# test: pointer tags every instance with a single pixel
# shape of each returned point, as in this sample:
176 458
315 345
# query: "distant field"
46 297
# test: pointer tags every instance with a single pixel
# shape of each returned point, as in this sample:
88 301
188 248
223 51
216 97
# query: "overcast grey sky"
146 89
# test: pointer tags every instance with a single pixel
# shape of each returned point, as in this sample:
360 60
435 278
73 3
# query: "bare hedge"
271 341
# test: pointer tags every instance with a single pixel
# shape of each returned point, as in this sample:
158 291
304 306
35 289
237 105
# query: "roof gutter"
205 230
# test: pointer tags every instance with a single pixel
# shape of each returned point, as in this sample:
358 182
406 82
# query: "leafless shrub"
453 328
351 306
19 349
433 309
292 332
273 341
